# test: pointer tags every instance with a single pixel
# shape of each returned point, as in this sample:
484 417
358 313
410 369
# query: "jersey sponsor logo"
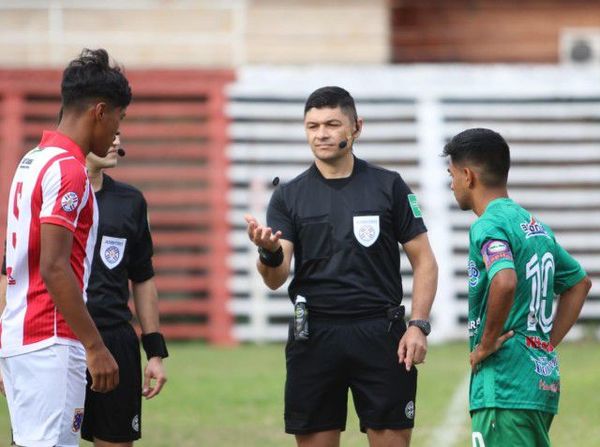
473 325
545 366
26 163
112 250
409 410
553 387
538 343
473 272
494 251
69 201
135 423
77 420
533 228
366 229
414 205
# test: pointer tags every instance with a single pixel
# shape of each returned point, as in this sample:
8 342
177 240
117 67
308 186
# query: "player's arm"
56 271
274 262
145 298
413 345
570 303
500 300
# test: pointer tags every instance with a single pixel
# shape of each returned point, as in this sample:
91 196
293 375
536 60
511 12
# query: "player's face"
108 161
459 186
107 126
325 128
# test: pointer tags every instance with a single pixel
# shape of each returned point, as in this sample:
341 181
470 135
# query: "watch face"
421 324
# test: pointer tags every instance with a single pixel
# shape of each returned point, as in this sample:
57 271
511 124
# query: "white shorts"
45 390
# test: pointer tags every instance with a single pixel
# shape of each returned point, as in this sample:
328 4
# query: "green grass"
234 397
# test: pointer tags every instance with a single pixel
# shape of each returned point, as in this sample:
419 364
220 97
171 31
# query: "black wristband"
154 345
271 258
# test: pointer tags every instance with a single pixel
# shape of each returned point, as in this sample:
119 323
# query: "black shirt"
346 234
123 252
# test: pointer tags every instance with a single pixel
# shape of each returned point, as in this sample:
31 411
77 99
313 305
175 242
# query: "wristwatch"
421 324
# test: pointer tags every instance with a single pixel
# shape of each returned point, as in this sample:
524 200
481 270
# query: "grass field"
233 397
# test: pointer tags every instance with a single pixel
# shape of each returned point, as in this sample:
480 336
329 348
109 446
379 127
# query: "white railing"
550 116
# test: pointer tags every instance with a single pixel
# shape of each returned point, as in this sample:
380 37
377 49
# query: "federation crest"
112 250
77 420
366 229
135 423
69 201
409 410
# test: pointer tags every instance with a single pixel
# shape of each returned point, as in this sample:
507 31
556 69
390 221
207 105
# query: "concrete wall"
203 33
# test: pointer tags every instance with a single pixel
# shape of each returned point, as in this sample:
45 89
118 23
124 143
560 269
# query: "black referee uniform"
347 265
123 252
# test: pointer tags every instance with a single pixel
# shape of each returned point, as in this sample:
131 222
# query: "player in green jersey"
516 268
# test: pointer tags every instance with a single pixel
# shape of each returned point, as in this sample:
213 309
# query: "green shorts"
497 427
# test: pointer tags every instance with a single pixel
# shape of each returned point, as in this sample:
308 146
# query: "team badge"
77 420
135 423
409 410
473 273
112 250
366 229
69 201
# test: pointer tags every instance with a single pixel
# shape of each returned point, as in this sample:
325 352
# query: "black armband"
154 345
270 258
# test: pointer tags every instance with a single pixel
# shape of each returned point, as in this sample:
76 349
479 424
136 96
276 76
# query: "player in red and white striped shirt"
46 332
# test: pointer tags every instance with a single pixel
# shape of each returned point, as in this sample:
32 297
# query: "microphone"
276 181
121 152
343 144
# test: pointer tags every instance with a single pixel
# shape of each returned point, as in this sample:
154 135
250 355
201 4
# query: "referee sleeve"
140 264
278 216
408 222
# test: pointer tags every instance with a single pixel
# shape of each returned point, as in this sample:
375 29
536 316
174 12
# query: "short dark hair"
332 97
91 77
483 148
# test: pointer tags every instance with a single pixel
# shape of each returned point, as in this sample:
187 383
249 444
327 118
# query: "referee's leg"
329 438
386 438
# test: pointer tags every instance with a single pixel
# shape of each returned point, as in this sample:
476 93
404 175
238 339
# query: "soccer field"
234 397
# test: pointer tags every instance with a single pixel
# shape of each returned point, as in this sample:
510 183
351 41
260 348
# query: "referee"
123 253
342 220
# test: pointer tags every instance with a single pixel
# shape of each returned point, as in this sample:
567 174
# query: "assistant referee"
342 220
123 253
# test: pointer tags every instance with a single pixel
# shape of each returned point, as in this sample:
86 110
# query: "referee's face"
325 129
109 160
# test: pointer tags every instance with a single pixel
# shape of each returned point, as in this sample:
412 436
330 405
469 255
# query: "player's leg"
45 394
316 389
384 392
114 419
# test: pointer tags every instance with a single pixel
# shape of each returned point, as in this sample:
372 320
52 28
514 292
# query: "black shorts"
360 355
116 416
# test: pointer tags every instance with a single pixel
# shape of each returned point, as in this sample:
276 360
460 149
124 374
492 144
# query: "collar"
53 138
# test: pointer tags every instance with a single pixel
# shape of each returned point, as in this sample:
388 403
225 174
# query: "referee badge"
112 250
366 229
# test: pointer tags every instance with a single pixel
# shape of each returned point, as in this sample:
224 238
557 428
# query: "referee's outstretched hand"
412 347
262 236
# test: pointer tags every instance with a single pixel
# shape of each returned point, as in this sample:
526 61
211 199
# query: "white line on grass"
448 432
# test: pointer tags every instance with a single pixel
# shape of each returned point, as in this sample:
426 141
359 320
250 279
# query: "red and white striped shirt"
50 186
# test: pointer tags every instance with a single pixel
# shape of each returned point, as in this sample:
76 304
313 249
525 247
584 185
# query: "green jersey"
524 373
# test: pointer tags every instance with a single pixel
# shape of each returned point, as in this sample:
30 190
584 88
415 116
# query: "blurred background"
219 88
